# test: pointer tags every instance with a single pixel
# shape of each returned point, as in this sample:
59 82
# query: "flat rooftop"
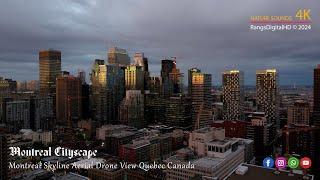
256 172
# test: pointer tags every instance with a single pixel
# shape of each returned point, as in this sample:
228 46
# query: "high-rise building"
260 132
299 113
134 78
131 110
140 60
68 100
7 86
316 96
82 76
4 153
166 68
178 112
155 108
49 69
302 140
108 88
18 115
118 56
199 89
267 92
233 95
155 84
171 78
42 108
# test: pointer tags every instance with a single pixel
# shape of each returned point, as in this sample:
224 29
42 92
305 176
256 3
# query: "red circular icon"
305 163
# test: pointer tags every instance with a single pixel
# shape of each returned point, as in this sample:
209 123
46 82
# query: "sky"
212 35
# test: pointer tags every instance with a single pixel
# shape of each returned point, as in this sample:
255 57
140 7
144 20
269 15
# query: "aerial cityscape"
177 103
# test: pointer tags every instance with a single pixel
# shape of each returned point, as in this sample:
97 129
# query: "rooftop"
257 172
72 176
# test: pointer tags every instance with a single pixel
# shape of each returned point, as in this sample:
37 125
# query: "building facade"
68 100
199 89
267 94
18 115
131 109
134 78
299 114
118 56
233 95
49 69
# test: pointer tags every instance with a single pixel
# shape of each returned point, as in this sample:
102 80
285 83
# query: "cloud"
209 34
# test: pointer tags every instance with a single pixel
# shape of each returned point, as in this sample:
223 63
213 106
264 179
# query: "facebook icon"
268 162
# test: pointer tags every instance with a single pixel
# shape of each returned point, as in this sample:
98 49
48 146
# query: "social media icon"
305 163
293 162
281 163
268 162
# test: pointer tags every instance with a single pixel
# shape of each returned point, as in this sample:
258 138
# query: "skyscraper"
132 109
299 114
178 112
42 108
155 108
18 115
267 95
166 68
134 78
140 60
108 89
155 84
49 69
68 100
199 89
258 130
233 95
118 56
316 96
171 78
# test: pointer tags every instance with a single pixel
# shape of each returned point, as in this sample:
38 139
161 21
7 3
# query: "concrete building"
260 132
134 78
118 56
45 137
178 112
132 109
49 69
171 78
107 130
108 90
155 84
236 129
209 156
7 86
43 107
302 140
267 95
114 141
155 108
233 95
199 89
68 100
18 115
299 114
